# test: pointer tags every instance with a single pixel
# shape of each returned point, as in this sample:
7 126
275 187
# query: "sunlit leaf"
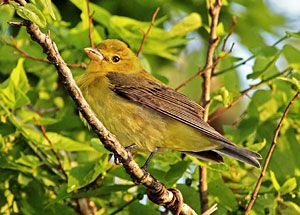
32 13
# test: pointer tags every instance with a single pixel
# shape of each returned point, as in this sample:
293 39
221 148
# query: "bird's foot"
130 148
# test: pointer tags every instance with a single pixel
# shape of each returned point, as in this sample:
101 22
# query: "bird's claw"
117 159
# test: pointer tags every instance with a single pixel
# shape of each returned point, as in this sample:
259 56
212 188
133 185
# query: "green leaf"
288 207
138 208
18 77
100 15
186 25
220 191
257 146
48 6
29 160
223 96
274 181
291 80
32 13
266 51
13 90
220 29
60 142
176 171
190 195
292 55
85 173
264 66
288 186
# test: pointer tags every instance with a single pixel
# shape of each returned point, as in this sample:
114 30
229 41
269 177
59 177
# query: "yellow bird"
140 110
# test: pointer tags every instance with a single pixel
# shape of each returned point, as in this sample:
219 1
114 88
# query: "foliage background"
31 181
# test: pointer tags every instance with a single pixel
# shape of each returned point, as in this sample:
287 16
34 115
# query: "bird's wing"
164 100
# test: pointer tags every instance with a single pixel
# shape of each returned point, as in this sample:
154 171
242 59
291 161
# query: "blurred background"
265 54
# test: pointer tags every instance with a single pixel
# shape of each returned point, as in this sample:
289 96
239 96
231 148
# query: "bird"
142 111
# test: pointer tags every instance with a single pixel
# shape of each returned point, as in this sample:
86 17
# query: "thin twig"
90 24
201 72
214 11
44 60
216 61
145 35
270 152
220 111
231 68
43 130
231 28
156 191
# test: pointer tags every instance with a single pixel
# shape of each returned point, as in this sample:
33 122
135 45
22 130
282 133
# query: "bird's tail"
230 150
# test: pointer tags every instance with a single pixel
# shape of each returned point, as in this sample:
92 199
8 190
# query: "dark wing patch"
163 99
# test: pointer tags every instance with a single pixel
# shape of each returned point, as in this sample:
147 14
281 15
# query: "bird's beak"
93 54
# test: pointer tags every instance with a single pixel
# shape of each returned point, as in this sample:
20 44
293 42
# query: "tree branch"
270 152
156 191
220 111
231 28
221 72
145 35
216 61
214 10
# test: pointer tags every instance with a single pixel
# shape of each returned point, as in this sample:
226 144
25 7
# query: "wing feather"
153 94
163 99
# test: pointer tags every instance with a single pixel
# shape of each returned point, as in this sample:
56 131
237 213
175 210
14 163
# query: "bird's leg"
128 148
145 166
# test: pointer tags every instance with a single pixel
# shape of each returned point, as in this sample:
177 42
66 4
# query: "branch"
220 111
145 35
249 58
90 24
270 152
231 28
216 61
201 72
156 191
214 10
44 60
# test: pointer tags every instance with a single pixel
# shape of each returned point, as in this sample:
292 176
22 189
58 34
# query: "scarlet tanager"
140 110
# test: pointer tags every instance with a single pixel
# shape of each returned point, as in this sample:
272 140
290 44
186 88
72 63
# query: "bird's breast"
131 123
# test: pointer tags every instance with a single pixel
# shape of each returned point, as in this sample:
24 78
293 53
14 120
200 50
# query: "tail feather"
241 155
230 150
238 150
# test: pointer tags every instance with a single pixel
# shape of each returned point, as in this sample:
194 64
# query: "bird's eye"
115 58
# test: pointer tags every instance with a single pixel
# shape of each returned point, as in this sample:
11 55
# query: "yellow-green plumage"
140 110
135 124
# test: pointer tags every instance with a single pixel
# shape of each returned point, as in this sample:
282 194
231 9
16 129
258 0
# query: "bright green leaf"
288 207
292 56
186 25
274 181
84 174
32 13
48 6
60 142
288 186
292 80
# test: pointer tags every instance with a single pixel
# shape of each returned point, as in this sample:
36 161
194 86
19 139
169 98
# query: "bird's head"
112 56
